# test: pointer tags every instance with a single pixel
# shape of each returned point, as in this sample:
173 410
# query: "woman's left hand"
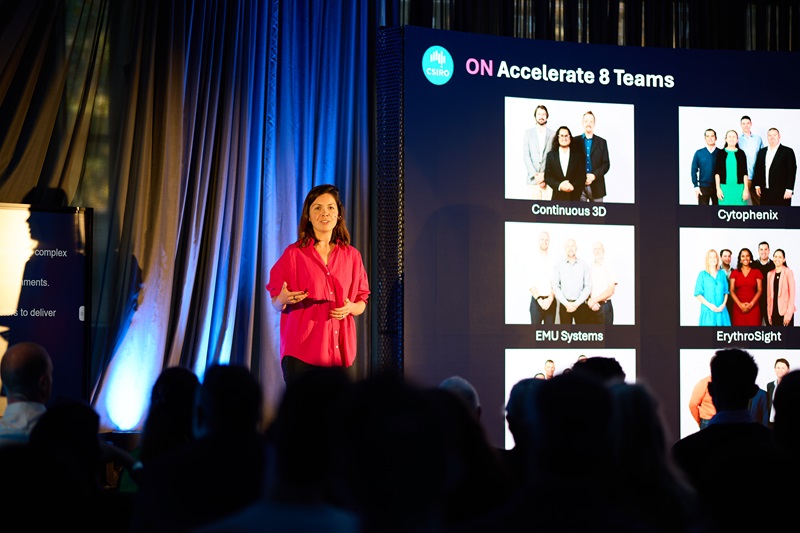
341 312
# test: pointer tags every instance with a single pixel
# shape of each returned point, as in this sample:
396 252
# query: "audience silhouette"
654 493
478 481
397 456
53 482
26 371
382 454
519 417
464 390
727 460
168 423
787 439
787 413
571 481
304 487
758 407
218 472
606 369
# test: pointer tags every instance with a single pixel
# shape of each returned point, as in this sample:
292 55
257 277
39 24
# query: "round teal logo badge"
437 65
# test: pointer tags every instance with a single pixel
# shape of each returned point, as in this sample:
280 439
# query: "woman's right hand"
287 297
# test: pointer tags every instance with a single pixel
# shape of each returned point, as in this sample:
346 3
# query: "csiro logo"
437 64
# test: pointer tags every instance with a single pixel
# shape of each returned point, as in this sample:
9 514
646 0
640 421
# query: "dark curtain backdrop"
195 128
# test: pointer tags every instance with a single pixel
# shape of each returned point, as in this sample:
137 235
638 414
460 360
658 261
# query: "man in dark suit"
775 171
597 162
781 369
734 454
564 167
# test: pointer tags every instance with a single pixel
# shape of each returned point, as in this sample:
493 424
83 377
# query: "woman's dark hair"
305 231
739 257
555 137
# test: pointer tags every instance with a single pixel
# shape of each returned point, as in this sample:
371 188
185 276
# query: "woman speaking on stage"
319 284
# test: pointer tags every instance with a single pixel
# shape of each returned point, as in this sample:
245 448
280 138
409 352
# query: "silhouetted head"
397 454
733 379
228 401
169 416
787 411
571 423
67 433
305 435
46 196
606 369
465 392
27 373
639 429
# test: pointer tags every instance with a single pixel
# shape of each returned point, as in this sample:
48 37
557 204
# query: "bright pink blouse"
307 330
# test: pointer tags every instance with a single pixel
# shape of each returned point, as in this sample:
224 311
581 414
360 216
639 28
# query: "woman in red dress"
746 287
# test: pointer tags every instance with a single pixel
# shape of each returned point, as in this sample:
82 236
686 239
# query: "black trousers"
604 315
539 315
582 315
708 194
293 368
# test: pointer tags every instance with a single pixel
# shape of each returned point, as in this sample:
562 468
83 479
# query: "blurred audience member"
787 413
304 488
758 407
519 417
571 455
465 391
730 457
397 456
653 491
606 369
53 482
217 473
27 375
787 439
168 424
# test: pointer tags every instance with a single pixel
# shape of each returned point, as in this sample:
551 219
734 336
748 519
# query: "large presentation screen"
563 199
45 289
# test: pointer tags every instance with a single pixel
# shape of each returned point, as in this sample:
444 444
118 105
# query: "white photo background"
613 122
522 248
695 242
694 121
526 363
695 366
